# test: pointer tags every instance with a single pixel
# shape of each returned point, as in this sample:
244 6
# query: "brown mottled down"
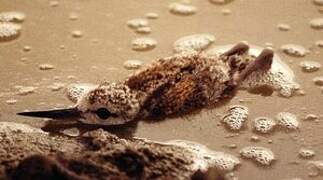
180 82
191 80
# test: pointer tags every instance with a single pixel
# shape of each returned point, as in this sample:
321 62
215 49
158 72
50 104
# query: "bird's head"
106 104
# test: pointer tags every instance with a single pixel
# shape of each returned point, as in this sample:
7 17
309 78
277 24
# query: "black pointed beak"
54 114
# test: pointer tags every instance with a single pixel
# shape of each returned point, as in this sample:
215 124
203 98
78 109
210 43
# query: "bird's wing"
160 72
75 91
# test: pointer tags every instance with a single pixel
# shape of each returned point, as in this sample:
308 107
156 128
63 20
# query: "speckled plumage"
180 82
169 86
174 85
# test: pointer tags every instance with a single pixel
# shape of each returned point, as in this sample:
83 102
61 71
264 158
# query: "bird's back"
180 83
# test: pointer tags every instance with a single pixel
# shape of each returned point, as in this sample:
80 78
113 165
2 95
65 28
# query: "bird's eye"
103 113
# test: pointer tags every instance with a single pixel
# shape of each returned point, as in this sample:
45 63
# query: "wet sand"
99 54
29 153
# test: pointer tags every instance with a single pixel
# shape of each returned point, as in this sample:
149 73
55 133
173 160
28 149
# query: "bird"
169 86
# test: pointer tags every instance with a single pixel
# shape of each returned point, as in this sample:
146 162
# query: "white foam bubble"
12 16
195 42
283 27
306 153
261 155
287 121
9 31
317 23
310 66
11 101
235 117
294 50
132 64
254 139
45 67
319 43
143 30
226 12
73 16
151 15
53 3
56 86
77 33
25 90
138 22
264 125
310 117
26 48
206 158
143 44
182 8
315 168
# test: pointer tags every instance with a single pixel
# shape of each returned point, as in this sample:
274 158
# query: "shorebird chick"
169 86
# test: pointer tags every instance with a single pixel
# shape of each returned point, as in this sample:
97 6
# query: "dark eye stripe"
103 113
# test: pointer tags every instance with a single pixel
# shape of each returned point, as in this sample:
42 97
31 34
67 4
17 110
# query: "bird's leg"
262 62
231 55
238 49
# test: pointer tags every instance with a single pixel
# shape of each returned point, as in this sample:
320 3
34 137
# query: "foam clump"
12 16
25 90
261 155
11 127
306 153
75 91
279 77
283 27
294 50
316 23
287 121
315 168
151 15
264 125
56 86
183 9
195 42
235 117
310 66
45 67
132 64
143 30
205 158
137 23
9 31
143 44
311 117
